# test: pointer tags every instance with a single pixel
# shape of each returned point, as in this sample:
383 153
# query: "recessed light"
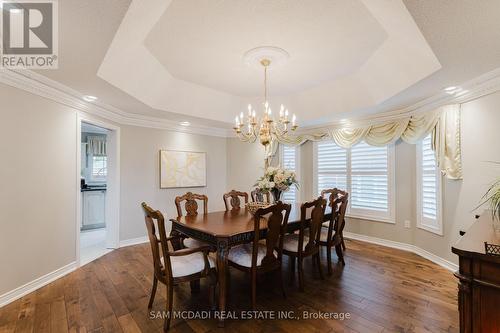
184 123
89 98
450 88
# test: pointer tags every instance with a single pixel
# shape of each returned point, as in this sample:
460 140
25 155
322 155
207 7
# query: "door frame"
112 210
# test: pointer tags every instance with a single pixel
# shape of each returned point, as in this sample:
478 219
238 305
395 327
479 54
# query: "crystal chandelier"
267 129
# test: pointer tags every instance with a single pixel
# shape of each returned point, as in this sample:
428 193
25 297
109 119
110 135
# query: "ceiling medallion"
276 55
267 129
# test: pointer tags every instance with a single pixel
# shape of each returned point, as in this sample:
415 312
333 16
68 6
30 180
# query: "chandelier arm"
247 137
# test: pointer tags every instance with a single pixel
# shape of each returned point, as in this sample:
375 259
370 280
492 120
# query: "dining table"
224 230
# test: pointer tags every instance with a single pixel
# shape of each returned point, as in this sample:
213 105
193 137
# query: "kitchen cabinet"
93 209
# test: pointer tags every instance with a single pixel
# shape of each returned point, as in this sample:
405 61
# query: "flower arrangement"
276 180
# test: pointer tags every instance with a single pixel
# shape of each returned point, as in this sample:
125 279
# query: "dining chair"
191 208
258 196
174 267
232 198
299 246
332 230
262 256
336 193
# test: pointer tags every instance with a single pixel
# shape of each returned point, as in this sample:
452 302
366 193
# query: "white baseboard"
134 241
29 287
405 247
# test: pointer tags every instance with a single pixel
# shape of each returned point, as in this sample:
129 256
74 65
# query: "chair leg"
301 274
254 289
170 299
329 258
292 269
280 272
195 286
211 293
338 249
318 261
343 244
153 293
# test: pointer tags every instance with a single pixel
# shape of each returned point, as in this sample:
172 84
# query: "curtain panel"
443 124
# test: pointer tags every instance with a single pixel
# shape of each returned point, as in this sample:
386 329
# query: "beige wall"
39 191
245 164
480 139
38 187
38 140
140 174
480 144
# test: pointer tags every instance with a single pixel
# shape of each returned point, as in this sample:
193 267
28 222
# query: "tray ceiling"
185 56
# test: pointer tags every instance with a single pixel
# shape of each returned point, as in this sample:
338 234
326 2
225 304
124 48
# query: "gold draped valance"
443 124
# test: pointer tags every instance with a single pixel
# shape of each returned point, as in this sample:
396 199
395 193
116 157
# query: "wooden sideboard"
479 279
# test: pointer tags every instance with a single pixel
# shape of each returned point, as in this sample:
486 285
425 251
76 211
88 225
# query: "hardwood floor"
383 290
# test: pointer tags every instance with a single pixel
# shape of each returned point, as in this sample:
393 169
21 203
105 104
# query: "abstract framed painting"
182 169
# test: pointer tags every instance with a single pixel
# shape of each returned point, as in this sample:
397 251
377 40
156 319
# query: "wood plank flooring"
382 289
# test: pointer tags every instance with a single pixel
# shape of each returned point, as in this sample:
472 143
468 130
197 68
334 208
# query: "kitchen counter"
93 188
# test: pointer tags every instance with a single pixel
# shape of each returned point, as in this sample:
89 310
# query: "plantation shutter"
369 180
331 166
429 180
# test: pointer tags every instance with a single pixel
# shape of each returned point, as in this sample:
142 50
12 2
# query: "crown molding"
480 86
42 86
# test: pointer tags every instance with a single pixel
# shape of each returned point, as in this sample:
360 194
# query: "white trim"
40 85
480 86
390 220
405 247
421 220
29 287
134 241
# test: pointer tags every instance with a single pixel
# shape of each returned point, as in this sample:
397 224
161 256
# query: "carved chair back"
233 198
277 220
258 196
338 200
152 216
316 221
191 205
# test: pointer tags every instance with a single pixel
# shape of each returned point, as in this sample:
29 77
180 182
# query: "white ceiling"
182 59
203 42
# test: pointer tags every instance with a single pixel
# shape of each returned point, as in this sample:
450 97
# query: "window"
99 167
369 179
428 188
289 161
331 166
365 171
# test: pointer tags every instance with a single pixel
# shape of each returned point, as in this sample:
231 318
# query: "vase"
276 194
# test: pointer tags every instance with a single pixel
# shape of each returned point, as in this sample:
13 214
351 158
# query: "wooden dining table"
226 229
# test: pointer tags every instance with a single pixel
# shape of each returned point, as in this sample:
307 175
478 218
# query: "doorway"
98 189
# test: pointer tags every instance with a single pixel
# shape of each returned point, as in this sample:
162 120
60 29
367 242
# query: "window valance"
96 145
443 123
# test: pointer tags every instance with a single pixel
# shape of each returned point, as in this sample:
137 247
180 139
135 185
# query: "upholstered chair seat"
189 264
242 254
193 243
